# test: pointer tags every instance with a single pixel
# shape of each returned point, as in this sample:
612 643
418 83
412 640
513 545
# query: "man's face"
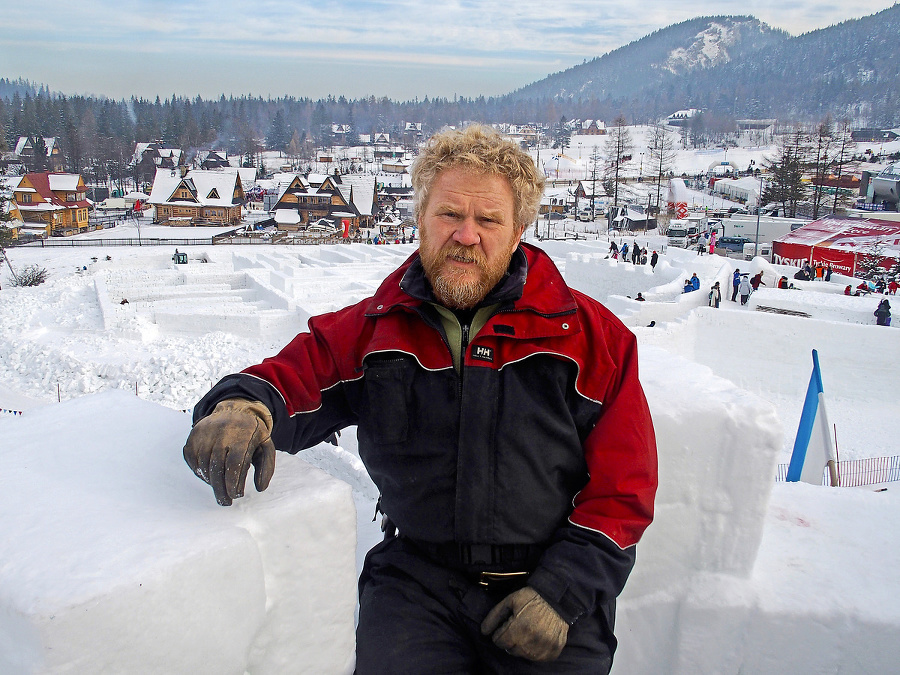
467 235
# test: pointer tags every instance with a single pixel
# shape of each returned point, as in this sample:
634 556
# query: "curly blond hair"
480 149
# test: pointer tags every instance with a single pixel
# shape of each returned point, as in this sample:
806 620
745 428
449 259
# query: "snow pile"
117 557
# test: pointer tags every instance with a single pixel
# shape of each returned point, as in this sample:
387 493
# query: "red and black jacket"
542 437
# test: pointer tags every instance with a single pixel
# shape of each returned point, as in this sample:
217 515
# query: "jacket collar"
532 283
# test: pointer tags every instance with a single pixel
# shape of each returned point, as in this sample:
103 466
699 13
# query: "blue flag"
814 445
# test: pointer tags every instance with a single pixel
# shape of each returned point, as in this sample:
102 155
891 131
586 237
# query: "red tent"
840 242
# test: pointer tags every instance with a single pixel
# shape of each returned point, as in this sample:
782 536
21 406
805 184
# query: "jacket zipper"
463 346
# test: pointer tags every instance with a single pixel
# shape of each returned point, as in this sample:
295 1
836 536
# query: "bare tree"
842 160
820 158
619 148
662 156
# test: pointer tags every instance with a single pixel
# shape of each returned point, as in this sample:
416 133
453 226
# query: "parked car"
735 244
554 215
585 215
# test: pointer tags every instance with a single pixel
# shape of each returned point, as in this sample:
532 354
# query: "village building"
346 202
12 217
23 154
682 118
198 198
52 204
212 159
148 158
591 128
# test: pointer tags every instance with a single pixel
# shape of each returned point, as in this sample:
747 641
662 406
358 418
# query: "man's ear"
521 232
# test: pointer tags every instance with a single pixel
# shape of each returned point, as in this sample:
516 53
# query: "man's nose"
467 232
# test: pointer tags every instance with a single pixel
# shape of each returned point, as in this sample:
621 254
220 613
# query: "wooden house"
198 198
349 202
53 204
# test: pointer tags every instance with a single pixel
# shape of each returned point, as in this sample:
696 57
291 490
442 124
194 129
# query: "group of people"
744 285
692 284
638 255
818 272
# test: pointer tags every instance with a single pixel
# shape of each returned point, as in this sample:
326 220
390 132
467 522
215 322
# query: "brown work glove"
222 446
532 629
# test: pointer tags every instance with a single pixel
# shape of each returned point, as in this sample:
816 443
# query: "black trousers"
417 617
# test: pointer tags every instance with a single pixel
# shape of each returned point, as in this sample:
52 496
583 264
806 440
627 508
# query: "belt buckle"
486 579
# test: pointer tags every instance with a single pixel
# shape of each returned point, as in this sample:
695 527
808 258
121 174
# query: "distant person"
783 283
892 287
756 281
848 290
883 313
735 282
624 251
820 272
655 259
801 275
695 281
688 286
828 272
635 254
715 295
745 289
640 298
614 250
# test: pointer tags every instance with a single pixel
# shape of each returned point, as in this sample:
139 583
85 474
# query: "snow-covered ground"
112 548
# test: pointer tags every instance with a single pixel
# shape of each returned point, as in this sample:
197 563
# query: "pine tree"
786 170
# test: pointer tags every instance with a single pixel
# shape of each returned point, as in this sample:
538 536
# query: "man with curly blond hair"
499 413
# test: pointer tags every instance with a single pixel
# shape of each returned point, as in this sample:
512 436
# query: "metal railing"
857 472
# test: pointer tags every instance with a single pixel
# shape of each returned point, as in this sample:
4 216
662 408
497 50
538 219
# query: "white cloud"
531 37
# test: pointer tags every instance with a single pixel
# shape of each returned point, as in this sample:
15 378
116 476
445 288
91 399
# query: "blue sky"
403 49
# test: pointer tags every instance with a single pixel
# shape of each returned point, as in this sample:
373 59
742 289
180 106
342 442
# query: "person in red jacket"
498 411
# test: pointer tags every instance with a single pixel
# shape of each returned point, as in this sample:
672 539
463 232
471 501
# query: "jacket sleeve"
304 386
590 557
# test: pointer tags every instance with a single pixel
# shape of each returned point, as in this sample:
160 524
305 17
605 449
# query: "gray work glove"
222 446
530 627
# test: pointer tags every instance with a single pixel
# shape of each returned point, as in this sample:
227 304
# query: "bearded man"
499 413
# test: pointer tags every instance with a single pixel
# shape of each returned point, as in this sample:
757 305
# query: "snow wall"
117 559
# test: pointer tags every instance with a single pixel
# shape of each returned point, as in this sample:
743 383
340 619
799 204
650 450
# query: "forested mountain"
738 67
658 59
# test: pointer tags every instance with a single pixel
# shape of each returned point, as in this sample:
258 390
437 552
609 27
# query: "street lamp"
758 210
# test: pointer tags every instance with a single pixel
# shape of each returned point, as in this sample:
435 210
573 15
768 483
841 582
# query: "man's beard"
455 288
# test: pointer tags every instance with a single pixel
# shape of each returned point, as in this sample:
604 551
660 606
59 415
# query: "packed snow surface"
116 556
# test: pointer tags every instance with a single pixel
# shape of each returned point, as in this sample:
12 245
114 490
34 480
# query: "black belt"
477 558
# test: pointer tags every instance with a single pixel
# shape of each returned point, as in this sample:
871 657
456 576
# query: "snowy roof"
210 188
64 182
287 217
363 192
49 141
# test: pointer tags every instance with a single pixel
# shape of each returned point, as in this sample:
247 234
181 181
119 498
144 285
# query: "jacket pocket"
388 384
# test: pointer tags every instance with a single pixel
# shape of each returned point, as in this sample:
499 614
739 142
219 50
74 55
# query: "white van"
585 215
765 250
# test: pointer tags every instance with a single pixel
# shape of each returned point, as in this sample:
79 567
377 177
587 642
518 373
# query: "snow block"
117 558
718 446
